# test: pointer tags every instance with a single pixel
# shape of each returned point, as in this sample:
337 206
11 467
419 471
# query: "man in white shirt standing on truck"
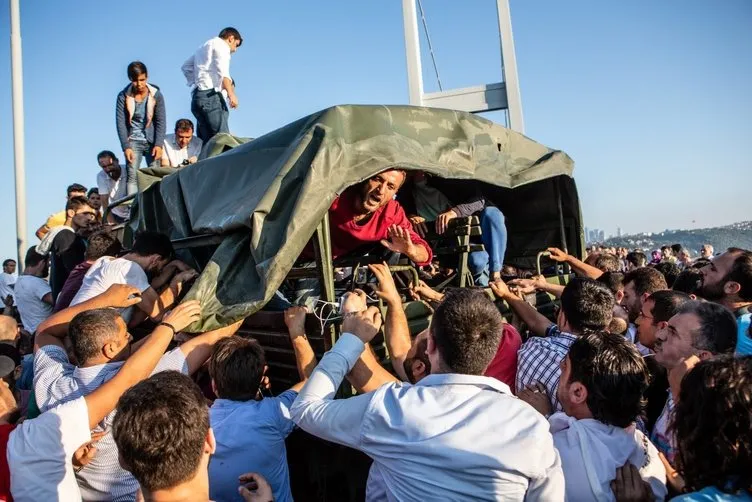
208 74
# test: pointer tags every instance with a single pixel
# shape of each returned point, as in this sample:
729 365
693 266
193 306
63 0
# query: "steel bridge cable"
430 46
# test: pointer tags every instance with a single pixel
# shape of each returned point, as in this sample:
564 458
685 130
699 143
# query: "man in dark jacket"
424 198
140 118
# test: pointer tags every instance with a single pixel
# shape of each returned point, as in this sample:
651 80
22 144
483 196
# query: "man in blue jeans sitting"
141 118
207 72
424 198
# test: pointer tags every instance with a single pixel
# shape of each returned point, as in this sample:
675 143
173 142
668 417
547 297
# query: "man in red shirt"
368 213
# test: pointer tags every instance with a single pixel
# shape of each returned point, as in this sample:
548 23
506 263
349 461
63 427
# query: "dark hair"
741 272
712 420
718 331
669 270
75 203
237 367
676 248
231 32
667 304
183 125
149 243
135 69
700 263
646 280
663 248
75 187
102 243
467 329
607 262
587 305
160 429
90 330
107 153
637 258
614 281
689 281
94 190
8 262
33 258
608 365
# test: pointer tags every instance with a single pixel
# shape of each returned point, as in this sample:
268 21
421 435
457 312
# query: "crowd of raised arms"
638 388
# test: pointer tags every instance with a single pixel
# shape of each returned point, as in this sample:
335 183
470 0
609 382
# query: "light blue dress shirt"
448 437
250 437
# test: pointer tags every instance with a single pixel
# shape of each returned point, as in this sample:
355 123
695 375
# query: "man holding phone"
183 147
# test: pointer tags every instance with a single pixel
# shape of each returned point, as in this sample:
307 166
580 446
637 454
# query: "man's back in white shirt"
107 271
448 437
208 66
6 284
29 293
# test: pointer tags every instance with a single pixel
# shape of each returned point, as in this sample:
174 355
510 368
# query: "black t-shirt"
67 251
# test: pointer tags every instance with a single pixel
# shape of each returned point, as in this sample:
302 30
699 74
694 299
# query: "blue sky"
651 99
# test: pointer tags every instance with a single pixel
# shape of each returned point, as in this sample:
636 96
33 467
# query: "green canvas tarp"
267 196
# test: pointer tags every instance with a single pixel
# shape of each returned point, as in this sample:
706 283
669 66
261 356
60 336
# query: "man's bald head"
8 329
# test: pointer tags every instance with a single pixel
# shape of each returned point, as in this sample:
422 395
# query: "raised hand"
365 325
387 290
442 221
183 315
122 296
419 225
423 291
87 451
536 396
558 255
501 290
399 240
295 320
354 301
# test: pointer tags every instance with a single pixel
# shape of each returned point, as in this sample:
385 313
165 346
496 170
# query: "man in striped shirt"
586 306
101 344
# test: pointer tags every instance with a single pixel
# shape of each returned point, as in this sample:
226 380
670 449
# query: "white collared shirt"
208 66
177 155
448 437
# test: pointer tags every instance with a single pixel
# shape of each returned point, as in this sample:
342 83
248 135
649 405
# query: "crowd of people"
639 388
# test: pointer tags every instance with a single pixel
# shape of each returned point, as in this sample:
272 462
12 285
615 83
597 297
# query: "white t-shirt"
107 271
6 284
115 190
40 453
29 291
177 155
208 65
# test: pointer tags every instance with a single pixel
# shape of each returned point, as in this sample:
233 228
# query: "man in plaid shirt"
586 306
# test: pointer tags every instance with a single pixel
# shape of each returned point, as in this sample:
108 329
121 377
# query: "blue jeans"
484 263
210 110
141 149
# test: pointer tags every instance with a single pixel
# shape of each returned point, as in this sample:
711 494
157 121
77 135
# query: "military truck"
244 213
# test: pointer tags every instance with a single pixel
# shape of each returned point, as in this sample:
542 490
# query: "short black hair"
609 365
231 32
237 367
160 429
741 272
666 304
90 330
669 270
676 248
689 281
33 258
75 187
77 202
637 259
183 125
587 304
8 262
607 262
107 153
92 191
614 281
646 280
102 243
718 330
149 243
135 69
712 420
700 263
467 329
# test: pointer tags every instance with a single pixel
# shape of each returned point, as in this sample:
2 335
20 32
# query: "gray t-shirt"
138 122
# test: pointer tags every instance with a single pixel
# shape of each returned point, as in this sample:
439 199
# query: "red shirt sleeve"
399 218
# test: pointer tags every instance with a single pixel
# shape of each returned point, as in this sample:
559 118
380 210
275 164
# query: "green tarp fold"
267 196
